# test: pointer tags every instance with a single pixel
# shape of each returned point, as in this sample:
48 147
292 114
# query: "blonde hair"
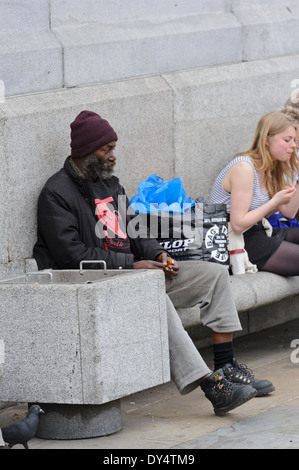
269 125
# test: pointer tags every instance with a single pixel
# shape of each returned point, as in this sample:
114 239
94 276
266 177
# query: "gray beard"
93 169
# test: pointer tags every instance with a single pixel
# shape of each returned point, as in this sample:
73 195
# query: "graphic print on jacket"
112 228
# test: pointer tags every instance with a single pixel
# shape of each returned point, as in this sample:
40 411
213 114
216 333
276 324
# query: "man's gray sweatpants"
208 285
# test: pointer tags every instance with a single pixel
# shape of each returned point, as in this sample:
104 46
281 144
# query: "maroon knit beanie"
89 132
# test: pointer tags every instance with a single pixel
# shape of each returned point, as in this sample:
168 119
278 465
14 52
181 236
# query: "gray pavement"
160 418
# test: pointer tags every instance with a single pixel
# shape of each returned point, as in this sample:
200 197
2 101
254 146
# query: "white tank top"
220 196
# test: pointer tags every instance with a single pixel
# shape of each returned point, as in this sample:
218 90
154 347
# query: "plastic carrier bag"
215 246
155 194
187 229
278 220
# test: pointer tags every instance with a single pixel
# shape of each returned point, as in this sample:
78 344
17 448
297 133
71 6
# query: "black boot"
241 374
225 395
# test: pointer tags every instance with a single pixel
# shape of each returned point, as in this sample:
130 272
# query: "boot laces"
245 371
224 385
241 372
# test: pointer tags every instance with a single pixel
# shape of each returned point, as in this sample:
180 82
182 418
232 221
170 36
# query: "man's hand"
170 266
148 264
162 261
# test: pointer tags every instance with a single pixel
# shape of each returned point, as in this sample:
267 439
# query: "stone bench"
262 299
78 341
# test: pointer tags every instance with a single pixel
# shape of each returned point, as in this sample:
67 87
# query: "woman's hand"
241 182
284 196
288 199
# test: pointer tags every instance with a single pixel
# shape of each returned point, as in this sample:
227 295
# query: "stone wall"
52 44
182 82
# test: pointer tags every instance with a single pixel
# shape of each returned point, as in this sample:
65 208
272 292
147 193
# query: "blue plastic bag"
155 195
278 220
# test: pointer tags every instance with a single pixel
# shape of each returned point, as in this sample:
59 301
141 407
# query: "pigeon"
23 431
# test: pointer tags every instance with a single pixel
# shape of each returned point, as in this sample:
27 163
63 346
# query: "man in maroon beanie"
84 214
90 132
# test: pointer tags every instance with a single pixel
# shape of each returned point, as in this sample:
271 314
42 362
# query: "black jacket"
74 224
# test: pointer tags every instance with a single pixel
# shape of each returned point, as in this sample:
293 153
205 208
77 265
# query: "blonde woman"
253 187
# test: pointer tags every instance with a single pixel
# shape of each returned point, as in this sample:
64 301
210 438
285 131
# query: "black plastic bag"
215 245
201 234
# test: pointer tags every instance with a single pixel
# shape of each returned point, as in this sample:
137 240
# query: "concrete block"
142 47
263 300
35 57
83 342
258 4
131 330
75 12
273 314
42 344
44 41
269 31
186 124
35 140
208 153
263 289
2 358
215 115
27 15
2 353
230 90
24 180
4 219
12 268
252 291
79 421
